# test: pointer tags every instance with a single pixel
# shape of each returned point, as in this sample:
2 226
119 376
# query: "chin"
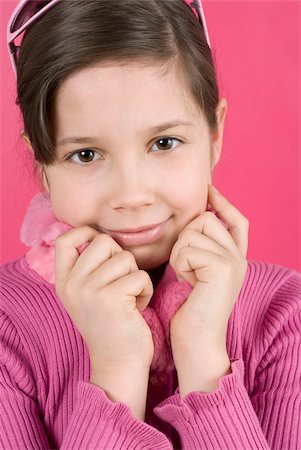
147 259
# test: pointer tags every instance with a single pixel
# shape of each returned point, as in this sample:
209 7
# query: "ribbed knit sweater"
46 400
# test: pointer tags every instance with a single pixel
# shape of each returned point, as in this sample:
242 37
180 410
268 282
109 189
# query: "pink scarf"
39 230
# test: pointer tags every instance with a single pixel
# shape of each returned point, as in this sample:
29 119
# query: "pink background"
257 48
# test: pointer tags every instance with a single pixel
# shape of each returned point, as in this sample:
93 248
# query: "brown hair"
74 35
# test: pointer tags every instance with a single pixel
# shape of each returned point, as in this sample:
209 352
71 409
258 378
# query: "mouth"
138 236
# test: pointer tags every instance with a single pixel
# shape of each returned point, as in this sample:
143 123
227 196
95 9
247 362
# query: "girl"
135 319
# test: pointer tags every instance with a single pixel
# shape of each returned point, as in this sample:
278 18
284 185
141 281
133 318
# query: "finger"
238 224
193 238
66 250
139 289
209 225
101 248
193 261
119 265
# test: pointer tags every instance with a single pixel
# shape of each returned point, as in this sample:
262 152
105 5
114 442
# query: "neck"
156 274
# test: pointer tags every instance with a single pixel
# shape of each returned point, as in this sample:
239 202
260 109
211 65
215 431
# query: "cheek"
72 202
188 188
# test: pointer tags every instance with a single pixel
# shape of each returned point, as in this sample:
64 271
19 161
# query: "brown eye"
166 143
83 156
86 155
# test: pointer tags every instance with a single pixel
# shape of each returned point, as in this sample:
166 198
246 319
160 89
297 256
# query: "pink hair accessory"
197 8
25 14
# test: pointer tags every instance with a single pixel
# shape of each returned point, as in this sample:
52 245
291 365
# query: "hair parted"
79 33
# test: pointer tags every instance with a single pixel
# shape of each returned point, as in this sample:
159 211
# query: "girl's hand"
103 291
213 260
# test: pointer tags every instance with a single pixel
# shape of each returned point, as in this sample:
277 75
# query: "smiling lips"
139 236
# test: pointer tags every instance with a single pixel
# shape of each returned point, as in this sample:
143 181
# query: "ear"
44 178
217 137
40 167
26 139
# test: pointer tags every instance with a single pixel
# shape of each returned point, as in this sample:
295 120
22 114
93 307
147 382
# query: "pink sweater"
46 400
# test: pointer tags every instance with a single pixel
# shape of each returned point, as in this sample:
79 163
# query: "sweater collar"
39 230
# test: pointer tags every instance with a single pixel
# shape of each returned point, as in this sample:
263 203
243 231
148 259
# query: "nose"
133 185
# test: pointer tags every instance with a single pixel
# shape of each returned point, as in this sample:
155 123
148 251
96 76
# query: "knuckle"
68 236
128 256
60 240
103 238
145 276
183 251
187 233
182 257
209 214
142 273
172 258
84 228
177 264
107 240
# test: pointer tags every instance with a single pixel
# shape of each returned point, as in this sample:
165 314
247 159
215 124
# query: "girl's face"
142 155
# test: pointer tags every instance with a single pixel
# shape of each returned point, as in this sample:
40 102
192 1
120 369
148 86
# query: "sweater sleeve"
268 417
96 422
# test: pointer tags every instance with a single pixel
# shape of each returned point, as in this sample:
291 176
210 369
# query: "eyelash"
68 158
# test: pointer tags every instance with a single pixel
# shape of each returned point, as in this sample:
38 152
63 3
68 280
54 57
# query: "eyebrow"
153 130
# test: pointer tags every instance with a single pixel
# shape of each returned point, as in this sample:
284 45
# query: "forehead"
119 95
